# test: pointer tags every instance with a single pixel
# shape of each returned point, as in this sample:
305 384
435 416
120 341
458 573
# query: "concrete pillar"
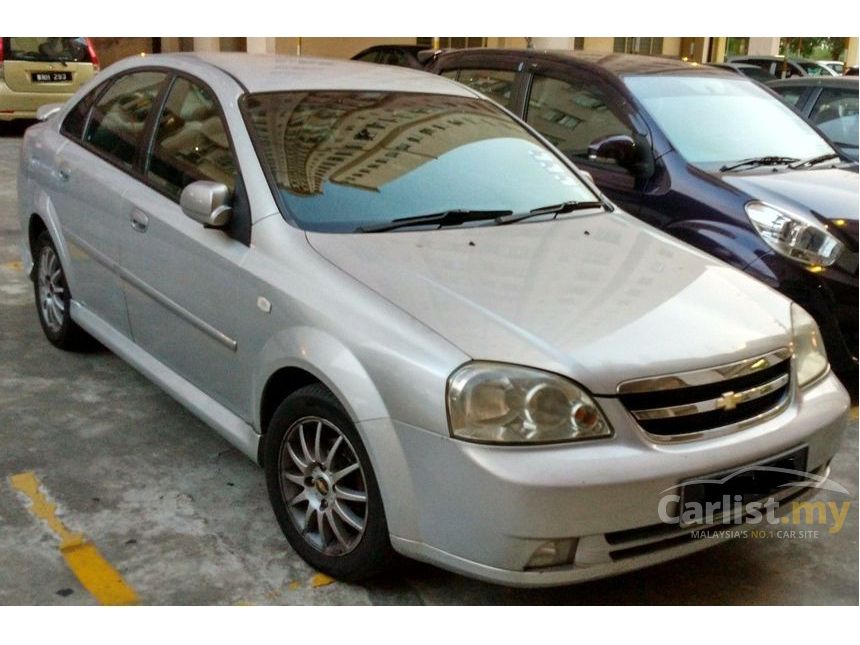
672 46
763 46
599 45
718 49
207 44
553 43
851 52
170 44
257 45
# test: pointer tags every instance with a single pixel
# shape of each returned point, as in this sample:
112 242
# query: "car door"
181 279
575 109
93 171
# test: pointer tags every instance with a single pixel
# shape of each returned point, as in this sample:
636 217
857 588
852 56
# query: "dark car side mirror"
631 154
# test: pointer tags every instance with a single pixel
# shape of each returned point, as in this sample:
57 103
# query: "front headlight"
500 403
794 236
810 358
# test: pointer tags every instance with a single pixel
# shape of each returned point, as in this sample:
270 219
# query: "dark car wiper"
557 209
814 161
759 161
453 217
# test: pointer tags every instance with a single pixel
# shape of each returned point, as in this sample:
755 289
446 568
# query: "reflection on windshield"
715 120
346 159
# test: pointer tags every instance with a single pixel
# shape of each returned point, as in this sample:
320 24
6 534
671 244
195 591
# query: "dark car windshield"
712 121
347 160
47 49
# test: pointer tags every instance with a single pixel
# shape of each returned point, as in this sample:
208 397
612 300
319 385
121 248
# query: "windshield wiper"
814 161
557 209
760 161
453 217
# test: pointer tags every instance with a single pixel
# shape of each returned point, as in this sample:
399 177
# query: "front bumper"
483 510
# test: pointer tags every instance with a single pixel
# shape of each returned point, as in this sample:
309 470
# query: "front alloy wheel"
322 487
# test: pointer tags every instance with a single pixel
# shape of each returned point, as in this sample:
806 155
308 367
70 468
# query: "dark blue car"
706 155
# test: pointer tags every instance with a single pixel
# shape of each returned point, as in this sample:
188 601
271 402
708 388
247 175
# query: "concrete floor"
185 519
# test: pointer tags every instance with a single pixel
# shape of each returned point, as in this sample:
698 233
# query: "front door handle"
139 221
64 172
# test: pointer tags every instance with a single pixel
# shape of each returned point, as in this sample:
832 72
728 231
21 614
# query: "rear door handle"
139 221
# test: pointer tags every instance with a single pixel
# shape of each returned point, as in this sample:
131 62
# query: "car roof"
850 82
770 58
616 64
273 73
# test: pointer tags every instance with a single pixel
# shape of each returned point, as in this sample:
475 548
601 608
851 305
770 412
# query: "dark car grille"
694 402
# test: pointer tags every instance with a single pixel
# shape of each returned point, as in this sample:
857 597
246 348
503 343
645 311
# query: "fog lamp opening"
553 554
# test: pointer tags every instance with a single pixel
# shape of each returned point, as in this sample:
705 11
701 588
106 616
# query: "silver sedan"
435 334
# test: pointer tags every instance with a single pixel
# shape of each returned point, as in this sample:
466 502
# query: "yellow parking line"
89 566
15 265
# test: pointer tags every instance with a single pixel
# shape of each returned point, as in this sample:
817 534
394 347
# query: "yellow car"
38 71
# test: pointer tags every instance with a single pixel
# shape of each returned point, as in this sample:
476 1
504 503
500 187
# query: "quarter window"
118 119
496 84
571 115
191 142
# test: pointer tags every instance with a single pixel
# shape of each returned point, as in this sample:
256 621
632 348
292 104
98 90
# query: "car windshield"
714 121
349 160
46 49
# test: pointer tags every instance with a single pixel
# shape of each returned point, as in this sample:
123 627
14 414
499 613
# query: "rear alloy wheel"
53 299
323 489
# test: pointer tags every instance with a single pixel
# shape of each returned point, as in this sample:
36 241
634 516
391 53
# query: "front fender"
735 245
329 360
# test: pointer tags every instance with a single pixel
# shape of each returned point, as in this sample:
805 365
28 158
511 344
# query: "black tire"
369 551
56 322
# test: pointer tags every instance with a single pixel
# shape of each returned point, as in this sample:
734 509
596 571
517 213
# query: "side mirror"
628 153
207 202
45 112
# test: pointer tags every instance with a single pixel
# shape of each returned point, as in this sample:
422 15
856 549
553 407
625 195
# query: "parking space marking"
96 574
15 265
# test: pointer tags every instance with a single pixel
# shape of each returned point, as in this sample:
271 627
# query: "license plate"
51 77
746 484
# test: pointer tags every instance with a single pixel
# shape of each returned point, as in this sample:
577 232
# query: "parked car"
37 71
851 71
707 156
778 67
754 72
397 55
830 103
433 332
836 66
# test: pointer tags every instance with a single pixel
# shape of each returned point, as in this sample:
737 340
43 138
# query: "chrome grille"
688 404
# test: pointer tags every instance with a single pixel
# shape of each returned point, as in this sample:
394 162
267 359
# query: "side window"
451 73
394 57
118 119
369 57
835 112
76 120
191 142
571 115
496 84
791 95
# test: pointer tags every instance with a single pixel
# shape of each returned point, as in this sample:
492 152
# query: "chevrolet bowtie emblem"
729 401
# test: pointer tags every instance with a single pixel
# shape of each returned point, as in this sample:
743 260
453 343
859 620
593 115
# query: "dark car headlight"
797 237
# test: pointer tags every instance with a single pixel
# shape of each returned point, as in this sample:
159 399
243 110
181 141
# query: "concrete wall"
334 47
764 46
110 50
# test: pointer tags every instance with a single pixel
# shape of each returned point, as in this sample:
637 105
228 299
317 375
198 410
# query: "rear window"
46 49
343 160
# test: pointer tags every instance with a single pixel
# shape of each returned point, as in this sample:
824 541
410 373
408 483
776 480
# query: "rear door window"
118 119
191 142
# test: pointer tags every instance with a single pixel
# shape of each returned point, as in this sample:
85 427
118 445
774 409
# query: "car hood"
600 299
830 193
